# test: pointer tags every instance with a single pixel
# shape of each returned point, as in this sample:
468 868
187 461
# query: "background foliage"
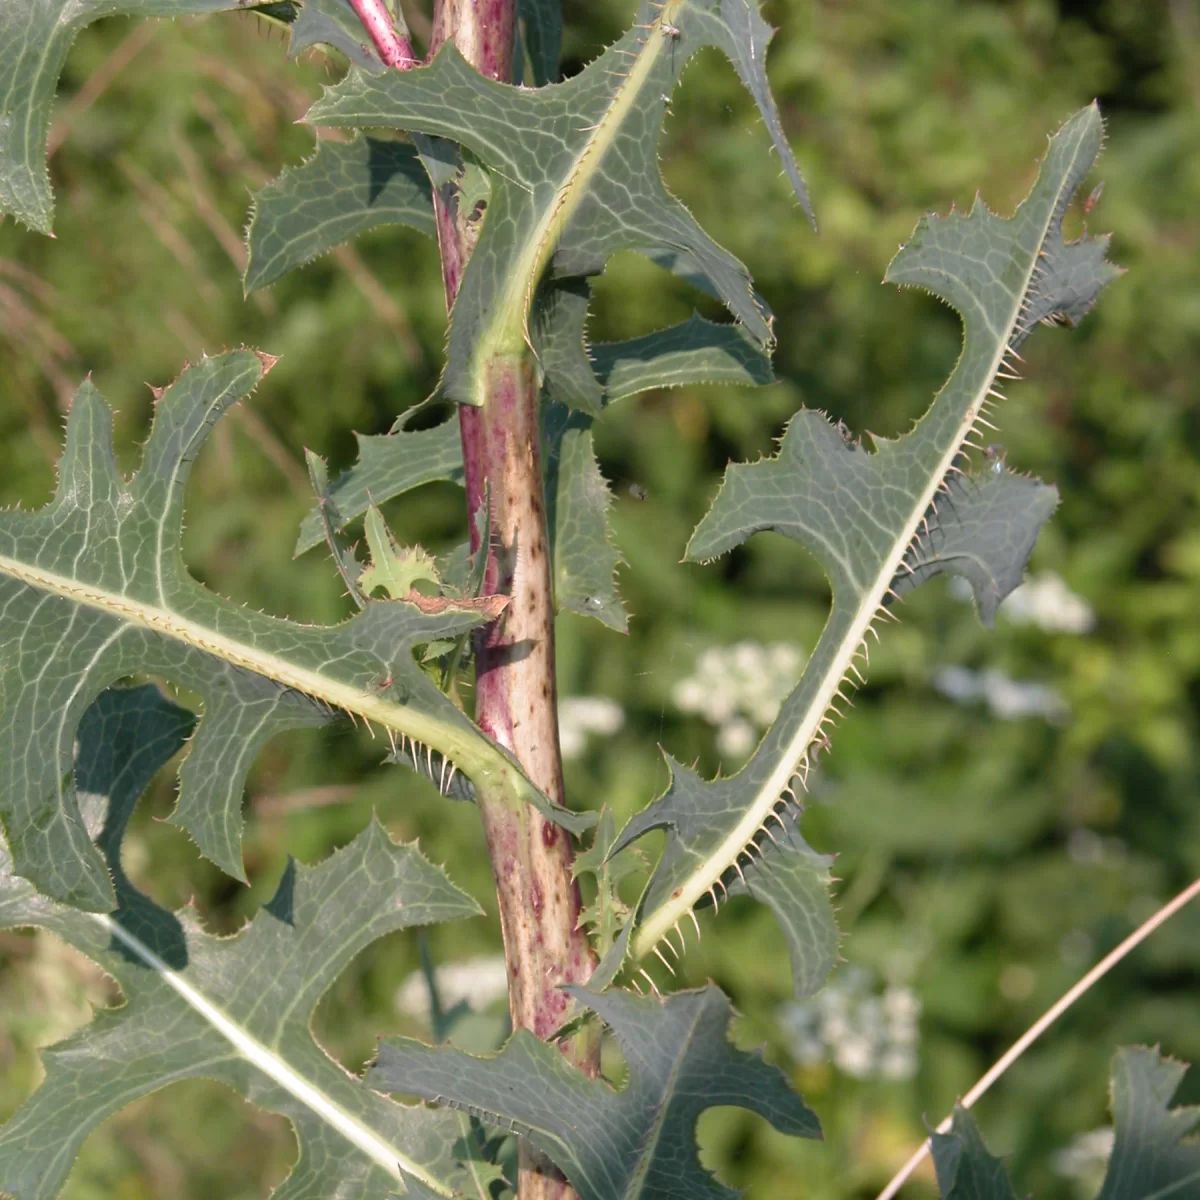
985 862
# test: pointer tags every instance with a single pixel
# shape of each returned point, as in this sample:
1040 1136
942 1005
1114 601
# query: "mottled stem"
515 693
394 46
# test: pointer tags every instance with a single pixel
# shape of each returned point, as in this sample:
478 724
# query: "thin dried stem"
1043 1023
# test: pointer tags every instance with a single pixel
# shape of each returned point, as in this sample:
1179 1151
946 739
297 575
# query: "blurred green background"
990 846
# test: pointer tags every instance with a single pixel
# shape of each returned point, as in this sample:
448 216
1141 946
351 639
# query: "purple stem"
394 47
515 694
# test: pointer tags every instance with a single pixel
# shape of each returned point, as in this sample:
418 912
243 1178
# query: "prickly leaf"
966 1170
636 1143
777 867
590 378
1151 1160
864 513
1150 1157
332 23
345 189
348 566
695 351
35 36
607 912
235 1009
794 882
583 554
389 464
396 569
577 495
93 588
573 168
983 531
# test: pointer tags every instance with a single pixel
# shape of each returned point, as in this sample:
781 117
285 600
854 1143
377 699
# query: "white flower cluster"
1045 601
739 690
478 981
1085 1159
579 717
1009 699
865 1034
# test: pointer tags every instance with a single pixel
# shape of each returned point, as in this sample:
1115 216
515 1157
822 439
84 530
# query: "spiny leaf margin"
573 166
235 1009
638 1142
344 189
93 588
35 36
862 513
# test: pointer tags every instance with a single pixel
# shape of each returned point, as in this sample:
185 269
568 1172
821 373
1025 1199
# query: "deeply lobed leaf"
983 531
965 1169
880 522
235 1009
388 465
332 23
577 496
93 588
530 158
1150 1159
573 170
35 36
345 189
636 1143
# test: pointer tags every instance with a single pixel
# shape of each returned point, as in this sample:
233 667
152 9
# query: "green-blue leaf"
636 1143
345 189
880 521
234 1009
93 588
35 36
573 168
1150 1159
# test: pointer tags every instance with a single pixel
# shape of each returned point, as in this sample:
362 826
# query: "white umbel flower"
581 717
1085 1159
865 1035
1007 698
1046 601
738 689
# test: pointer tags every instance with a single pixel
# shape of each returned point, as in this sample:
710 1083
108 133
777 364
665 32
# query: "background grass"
984 863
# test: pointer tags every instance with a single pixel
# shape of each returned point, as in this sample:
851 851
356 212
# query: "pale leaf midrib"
725 854
509 332
385 1155
650 1143
454 743
1173 1189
